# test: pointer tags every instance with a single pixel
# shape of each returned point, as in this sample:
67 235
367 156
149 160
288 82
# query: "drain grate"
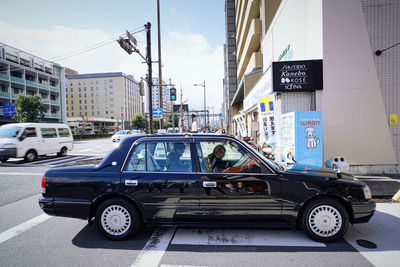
366 244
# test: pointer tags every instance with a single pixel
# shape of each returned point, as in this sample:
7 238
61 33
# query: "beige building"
111 96
359 97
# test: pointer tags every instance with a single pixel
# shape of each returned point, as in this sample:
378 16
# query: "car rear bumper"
65 207
363 211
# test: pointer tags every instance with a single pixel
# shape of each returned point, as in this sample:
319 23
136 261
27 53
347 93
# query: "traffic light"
172 94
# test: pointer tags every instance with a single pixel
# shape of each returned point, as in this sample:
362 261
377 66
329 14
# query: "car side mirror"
21 138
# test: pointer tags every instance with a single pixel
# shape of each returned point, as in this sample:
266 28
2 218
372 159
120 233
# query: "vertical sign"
266 120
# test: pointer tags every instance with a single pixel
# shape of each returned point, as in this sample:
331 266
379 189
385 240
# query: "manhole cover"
366 243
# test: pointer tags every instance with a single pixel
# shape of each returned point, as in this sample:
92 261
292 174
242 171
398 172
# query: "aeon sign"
297 76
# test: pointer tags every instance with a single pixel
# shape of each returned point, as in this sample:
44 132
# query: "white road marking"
21 173
240 237
16 230
383 230
155 248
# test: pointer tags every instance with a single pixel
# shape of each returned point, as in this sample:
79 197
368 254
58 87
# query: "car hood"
324 172
6 140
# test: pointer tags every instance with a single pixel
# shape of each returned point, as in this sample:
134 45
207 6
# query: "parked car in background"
29 140
118 136
202 179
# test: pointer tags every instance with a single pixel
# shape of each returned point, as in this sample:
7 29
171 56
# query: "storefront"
314 62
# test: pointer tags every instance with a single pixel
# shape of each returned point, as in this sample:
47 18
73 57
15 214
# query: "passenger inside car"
173 162
214 161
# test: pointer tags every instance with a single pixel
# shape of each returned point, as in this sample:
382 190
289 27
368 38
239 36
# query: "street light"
205 111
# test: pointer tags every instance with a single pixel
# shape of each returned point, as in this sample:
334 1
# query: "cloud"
187 58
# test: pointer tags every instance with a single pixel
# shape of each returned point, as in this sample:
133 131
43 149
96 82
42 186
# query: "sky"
192 39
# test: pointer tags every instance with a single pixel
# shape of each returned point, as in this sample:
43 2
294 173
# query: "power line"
83 50
94 46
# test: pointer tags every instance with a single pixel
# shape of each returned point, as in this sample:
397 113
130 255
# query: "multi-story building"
156 96
24 73
109 97
358 95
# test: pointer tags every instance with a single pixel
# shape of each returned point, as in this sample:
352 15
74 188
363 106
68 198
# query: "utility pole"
160 81
149 75
181 111
129 45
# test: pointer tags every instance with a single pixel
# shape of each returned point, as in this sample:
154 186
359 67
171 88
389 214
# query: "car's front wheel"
325 220
31 155
117 219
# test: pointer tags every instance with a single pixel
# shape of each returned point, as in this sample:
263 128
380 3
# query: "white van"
29 140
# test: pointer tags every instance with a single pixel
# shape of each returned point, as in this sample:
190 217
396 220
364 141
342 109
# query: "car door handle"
131 182
209 184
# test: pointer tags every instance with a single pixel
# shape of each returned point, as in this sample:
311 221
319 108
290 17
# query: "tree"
169 121
138 121
29 108
156 124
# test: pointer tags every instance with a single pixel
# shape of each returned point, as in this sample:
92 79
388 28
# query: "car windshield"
271 163
121 132
9 131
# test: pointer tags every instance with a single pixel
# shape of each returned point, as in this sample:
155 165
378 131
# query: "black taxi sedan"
202 179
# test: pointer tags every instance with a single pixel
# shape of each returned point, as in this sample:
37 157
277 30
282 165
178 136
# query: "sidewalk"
382 186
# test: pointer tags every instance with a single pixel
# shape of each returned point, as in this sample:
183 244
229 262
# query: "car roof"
179 135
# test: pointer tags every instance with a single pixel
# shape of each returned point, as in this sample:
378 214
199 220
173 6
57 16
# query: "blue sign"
220 114
9 109
202 115
301 139
157 111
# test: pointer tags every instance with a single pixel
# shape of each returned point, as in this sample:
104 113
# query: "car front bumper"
8 152
363 211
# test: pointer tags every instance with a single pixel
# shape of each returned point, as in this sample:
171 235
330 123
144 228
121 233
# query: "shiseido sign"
297 76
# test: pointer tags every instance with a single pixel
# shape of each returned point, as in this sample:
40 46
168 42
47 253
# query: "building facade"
156 96
358 97
24 73
109 96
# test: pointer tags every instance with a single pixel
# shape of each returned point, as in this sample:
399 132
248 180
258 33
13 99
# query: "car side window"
29 132
49 133
160 157
227 157
137 160
63 132
179 158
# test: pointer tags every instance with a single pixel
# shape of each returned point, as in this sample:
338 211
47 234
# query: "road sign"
202 115
157 111
9 109
220 114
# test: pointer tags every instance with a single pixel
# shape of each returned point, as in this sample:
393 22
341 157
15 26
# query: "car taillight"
44 184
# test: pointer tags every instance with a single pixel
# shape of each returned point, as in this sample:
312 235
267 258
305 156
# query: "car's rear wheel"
30 155
325 220
117 219
63 152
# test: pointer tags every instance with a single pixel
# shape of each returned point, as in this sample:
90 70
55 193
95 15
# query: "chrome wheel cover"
30 156
325 221
116 220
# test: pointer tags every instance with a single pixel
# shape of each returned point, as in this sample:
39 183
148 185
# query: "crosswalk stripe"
241 237
16 230
155 248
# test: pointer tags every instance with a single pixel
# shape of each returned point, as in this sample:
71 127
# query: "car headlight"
367 192
9 145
